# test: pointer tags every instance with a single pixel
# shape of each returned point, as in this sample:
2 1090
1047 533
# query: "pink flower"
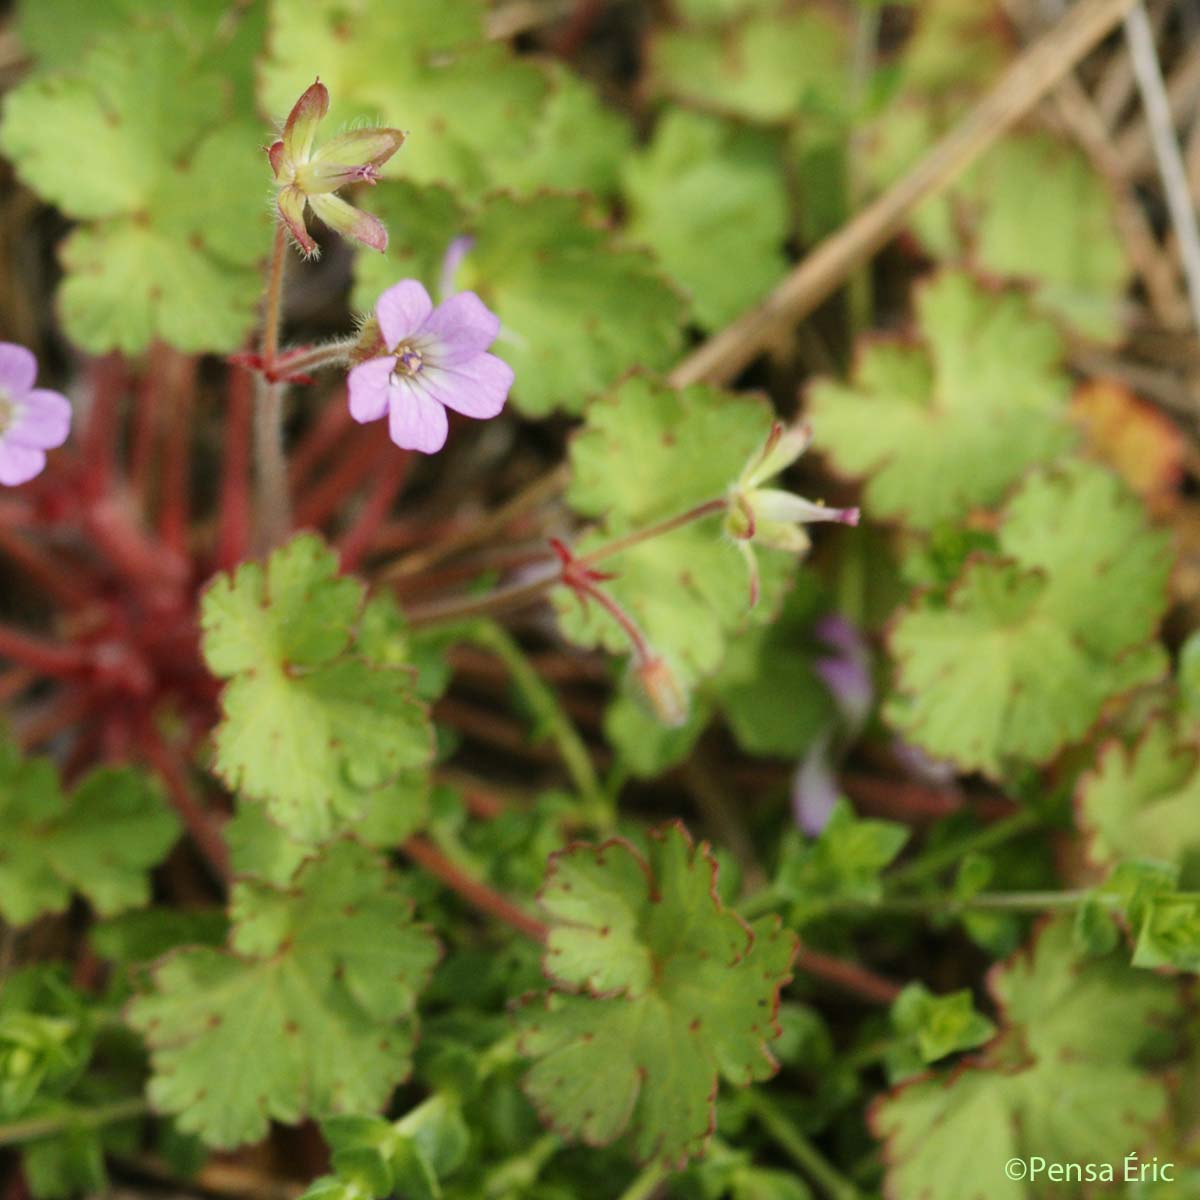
308 176
32 420
436 359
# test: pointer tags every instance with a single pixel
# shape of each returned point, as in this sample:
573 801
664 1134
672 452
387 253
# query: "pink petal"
417 422
402 310
349 221
43 420
19 464
18 369
368 384
464 325
291 208
477 387
351 156
302 121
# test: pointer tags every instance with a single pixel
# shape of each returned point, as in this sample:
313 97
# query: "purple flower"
436 359
815 788
32 420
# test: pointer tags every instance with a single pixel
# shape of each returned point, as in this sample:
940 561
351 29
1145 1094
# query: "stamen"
409 361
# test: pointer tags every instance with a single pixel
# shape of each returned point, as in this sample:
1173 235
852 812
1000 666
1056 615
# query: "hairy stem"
268 415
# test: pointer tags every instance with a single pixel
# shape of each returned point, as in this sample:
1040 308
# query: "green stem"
547 711
801 1151
1030 902
273 506
86 1118
940 857
517 1174
647 1183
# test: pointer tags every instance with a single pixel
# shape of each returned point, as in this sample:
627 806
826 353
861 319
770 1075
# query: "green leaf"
1020 658
767 67
1044 1087
149 933
767 688
310 1012
101 841
578 143
143 140
687 590
311 728
661 992
1169 933
46 1038
948 424
706 194
1072 256
539 264
1143 802
647 747
465 101
843 863
58 33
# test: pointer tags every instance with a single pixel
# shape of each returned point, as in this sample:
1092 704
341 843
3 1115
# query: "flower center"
409 361
8 410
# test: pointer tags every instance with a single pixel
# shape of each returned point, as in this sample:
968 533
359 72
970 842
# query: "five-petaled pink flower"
307 176
436 358
32 420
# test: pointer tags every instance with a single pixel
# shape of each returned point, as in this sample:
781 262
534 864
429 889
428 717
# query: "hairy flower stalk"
771 517
306 177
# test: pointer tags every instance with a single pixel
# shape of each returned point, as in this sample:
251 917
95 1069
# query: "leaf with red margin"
660 992
1022 655
1061 1081
1144 801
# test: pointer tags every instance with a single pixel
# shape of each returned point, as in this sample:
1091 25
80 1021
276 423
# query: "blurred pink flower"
436 359
32 420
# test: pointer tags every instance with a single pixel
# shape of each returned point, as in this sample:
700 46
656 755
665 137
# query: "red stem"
109 382
479 895
147 407
41 655
174 515
60 713
53 578
200 822
234 519
360 459
144 560
319 440
849 976
14 681
361 534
